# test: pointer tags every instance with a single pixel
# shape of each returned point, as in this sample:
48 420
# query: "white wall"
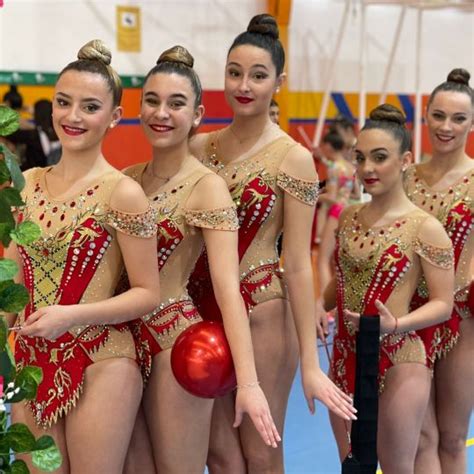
45 35
447 42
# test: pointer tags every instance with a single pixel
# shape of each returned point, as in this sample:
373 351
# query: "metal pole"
362 68
418 111
396 40
330 79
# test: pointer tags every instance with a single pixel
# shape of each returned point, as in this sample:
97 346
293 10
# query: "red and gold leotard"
454 208
257 185
379 263
76 260
180 242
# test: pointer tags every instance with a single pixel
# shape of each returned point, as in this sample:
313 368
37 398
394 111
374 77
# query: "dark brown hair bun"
265 25
176 54
95 50
460 76
387 113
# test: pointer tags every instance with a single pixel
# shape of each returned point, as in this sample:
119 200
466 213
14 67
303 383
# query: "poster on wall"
128 29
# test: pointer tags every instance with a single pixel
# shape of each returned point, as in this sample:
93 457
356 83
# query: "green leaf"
9 121
20 438
19 467
14 298
4 171
3 332
28 380
14 168
45 442
5 229
26 233
7 365
6 284
47 459
12 196
8 269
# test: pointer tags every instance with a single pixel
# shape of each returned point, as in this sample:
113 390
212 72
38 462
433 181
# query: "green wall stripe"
22 78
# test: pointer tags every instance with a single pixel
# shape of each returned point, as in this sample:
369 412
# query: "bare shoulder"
299 163
210 192
433 232
128 196
197 144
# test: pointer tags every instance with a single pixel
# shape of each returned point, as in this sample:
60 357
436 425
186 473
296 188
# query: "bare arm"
439 280
298 217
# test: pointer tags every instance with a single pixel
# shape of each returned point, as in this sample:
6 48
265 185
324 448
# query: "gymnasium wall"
40 37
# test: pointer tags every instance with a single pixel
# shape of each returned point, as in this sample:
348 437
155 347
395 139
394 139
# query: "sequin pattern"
180 243
305 191
75 260
453 206
440 257
372 264
224 218
257 186
137 225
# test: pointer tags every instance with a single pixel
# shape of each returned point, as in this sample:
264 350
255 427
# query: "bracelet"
396 327
247 385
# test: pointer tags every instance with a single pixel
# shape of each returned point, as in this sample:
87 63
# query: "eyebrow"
375 150
173 96
454 113
87 99
253 65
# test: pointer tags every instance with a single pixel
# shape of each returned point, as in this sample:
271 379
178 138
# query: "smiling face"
378 161
449 119
250 80
167 112
83 110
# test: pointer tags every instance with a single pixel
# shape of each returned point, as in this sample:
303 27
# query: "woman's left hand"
316 384
49 322
252 400
388 322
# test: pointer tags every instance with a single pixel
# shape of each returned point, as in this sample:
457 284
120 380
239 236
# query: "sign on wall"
128 29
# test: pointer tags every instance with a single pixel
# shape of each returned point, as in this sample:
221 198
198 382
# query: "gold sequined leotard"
76 260
257 185
454 208
379 263
180 242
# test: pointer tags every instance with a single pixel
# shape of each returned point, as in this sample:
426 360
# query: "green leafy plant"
16 386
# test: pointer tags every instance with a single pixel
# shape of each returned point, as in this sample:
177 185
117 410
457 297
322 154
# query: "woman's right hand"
322 323
252 400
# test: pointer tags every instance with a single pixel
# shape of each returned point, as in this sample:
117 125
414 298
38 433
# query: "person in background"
339 188
42 147
274 112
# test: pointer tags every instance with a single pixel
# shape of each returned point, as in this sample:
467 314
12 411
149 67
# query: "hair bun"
265 25
177 54
95 50
460 76
388 113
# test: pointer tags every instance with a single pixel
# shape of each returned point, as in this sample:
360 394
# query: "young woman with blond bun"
444 187
383 248
274 186
194 209
94 221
